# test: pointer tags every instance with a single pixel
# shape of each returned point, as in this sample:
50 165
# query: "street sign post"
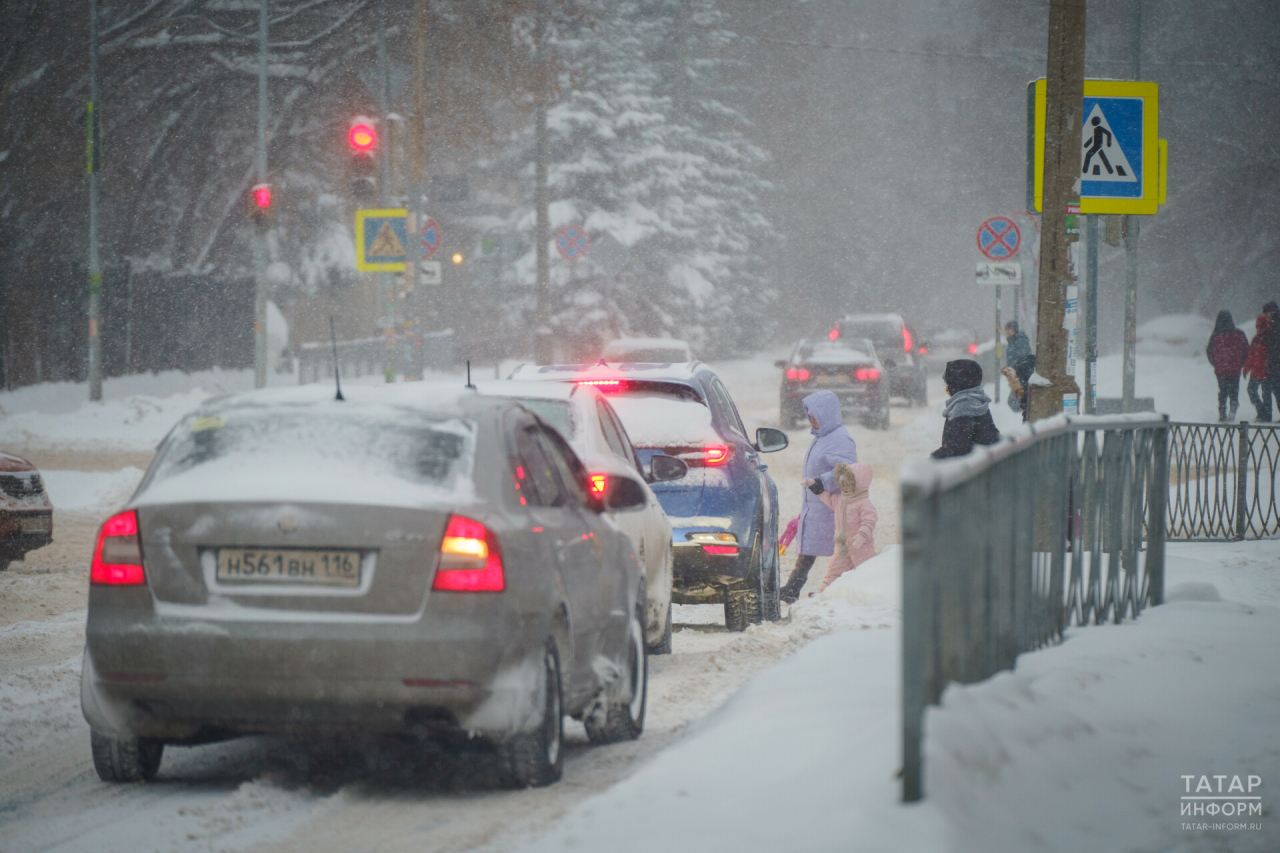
999 238
1122 162
573 242
381 238
431 272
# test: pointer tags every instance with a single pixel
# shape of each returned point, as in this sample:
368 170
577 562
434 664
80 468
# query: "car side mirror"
623 494
770 440
663 468
780 363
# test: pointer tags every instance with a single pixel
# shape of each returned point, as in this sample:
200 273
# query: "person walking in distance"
856 519
1017 346
1228 348
831 445
1255 368
968 412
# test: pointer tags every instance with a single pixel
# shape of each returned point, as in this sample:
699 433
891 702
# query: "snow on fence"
1223 481
363 356
1004 548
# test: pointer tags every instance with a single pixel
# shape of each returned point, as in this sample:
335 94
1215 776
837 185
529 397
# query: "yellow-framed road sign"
381 240
1123 161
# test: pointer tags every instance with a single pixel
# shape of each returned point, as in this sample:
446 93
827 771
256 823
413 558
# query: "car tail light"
117 556
923 350
973 349
797 374
906 340
716 454
867 373
602 384
835 333
598 484
469 558
721 550
720 544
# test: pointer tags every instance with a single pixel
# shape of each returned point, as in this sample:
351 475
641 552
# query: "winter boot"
1231 415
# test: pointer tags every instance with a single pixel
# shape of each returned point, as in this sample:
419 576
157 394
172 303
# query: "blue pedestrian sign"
381 238
1122 167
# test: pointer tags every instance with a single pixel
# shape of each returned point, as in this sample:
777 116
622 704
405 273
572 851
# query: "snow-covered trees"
645 154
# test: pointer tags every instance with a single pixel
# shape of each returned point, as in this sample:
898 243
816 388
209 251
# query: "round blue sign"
999 238
572 242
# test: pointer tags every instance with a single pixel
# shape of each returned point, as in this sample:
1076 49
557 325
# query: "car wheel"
739 605
134 759
663 646
624 719
771 597
537 758
4 564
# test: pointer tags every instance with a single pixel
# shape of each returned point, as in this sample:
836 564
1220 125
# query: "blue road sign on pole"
999 238
572 242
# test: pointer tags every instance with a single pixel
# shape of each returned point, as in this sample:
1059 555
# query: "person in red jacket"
1228 348
1255 368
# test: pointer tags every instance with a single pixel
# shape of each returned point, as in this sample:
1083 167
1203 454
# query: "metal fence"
369 356
1222 481
1004 548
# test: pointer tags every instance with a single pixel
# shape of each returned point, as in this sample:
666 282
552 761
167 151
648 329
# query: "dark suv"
847 367
900 350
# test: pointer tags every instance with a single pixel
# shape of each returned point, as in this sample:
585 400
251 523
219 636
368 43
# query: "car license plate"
833 379
311 566
36 525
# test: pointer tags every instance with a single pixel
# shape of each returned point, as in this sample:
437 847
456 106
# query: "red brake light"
602 384
598 483
797 373
725 550
835 333
924 350
906 340
469 558
866 373
715 454
117 556
973 349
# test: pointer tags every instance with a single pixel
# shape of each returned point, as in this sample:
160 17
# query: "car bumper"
191 679
25 531
852 397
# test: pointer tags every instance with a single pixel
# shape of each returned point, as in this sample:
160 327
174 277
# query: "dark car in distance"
26 516
900 349
847 367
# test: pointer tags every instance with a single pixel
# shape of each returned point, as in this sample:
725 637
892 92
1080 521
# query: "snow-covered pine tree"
645 152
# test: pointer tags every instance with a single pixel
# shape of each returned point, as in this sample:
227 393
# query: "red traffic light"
362 137
262 196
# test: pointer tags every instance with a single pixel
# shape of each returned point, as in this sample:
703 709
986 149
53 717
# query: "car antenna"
469 385
333 336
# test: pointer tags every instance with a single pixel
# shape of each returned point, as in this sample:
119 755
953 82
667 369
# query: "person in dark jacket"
968 412
1017 346
1228 348
1255 368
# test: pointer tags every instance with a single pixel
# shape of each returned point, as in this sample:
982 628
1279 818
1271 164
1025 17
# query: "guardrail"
369 355
1223 481
1003 548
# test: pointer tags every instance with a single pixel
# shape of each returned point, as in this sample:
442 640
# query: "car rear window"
656 417
651 356
369 442
834 353
876 330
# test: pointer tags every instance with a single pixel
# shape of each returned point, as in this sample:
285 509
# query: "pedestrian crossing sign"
381 238
1122 168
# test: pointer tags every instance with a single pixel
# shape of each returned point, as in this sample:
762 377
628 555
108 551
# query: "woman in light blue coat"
831 444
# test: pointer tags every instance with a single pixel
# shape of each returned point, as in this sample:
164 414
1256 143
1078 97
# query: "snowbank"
1184 335
1082 746
95 492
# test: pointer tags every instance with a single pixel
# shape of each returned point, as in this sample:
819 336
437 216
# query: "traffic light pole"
417 183
542 228
384 189
1065 96
1131 231
260 228
93 159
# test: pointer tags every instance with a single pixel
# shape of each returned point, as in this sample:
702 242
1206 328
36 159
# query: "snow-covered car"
648 350
848 367
394 562
943 344
899 350
584 417
724 511
26 516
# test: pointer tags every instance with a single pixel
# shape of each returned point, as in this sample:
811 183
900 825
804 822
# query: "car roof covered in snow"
685 373
881 318
436 397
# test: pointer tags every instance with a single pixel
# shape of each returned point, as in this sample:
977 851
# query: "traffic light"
362 140
260 202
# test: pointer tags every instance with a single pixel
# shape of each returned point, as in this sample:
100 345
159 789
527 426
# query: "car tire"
663 646
771 598
4 564
536 759
133 759
624 719
739 606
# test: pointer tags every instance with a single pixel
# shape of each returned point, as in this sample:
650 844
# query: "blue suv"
724 511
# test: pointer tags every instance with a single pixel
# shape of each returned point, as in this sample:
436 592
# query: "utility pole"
1065 97
260 230
93 162
542 229
417 187
1130 228
999 340
1090 403
384 191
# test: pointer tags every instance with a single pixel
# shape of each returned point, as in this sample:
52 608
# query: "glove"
857 543
816 487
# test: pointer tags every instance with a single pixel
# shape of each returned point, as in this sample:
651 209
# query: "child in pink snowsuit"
855 519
